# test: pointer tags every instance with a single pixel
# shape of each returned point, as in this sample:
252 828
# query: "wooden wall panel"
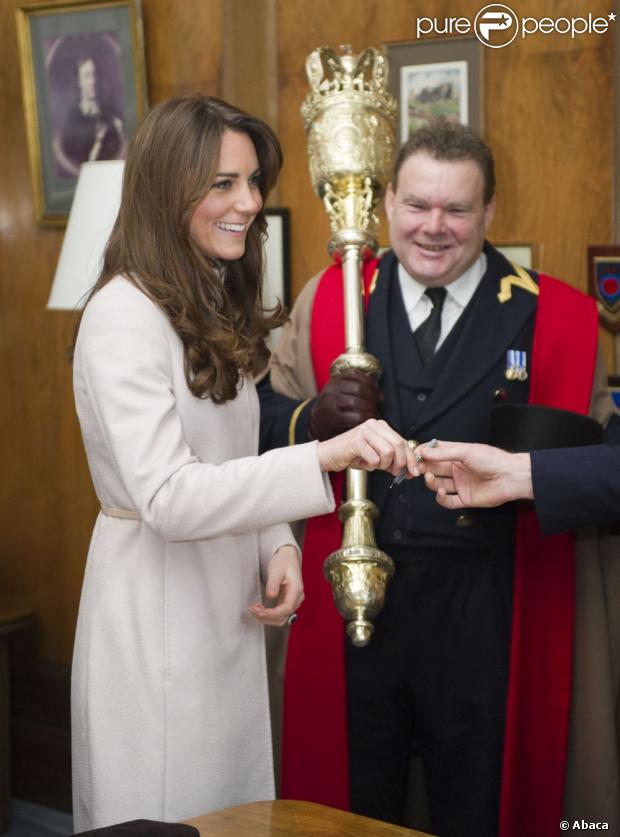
548 103
183 47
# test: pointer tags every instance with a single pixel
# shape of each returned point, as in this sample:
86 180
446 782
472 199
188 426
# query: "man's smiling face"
438 218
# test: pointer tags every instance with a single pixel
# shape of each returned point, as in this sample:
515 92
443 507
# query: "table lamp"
93 212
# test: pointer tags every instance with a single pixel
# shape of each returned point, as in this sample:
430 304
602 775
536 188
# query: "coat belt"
123 514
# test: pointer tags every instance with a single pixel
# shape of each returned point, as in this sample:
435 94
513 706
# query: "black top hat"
524 427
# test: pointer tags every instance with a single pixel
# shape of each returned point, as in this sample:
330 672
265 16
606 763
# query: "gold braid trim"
293 422
522 280
373 281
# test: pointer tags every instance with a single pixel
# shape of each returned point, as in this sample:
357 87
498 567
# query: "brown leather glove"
344 402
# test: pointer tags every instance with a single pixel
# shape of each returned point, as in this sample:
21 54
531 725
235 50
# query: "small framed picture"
524 255
604 283
84 91
436 78
277 282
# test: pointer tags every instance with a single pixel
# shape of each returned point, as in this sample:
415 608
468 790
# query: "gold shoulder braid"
522 280
293 421
373 281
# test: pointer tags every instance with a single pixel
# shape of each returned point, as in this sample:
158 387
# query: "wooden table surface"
285 818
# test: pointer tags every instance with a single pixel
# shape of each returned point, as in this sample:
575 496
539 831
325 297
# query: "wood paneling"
250 62
183 43
40 445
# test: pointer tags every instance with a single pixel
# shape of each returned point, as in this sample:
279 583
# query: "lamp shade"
93 212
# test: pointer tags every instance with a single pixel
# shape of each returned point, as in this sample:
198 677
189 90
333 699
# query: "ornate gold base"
358 576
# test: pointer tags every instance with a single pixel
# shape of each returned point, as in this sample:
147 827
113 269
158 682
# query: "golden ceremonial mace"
349 117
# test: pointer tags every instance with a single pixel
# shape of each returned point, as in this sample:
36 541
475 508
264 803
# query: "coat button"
464 520
500 394
398 534
402 497
421 396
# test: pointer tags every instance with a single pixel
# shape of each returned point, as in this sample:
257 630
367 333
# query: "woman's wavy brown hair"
215 307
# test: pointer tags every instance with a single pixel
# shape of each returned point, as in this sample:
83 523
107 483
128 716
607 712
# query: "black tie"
428 333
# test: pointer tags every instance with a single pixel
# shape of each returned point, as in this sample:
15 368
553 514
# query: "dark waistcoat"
451 399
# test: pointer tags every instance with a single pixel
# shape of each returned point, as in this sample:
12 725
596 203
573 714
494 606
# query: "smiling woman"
221 220
170 711
195 163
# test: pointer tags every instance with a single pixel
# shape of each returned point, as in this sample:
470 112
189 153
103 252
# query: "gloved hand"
344 402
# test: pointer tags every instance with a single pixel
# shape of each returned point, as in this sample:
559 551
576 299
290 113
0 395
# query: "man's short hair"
446 140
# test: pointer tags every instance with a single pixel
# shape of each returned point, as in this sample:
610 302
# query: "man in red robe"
456 674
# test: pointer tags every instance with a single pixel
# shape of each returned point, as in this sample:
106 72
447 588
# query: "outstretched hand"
371 446
470 475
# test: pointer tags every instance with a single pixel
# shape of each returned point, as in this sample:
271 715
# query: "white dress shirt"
459 293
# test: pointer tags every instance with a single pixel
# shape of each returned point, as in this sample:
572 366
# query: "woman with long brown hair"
169 692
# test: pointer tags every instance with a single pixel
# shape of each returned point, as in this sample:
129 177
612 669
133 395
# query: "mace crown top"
332 76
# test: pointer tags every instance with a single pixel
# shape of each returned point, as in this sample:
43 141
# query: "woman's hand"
370 446
284 584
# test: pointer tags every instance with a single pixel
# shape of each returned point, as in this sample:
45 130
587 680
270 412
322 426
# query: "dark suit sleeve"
282 419
576 487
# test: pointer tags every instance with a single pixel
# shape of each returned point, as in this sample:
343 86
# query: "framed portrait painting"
431 79
84 91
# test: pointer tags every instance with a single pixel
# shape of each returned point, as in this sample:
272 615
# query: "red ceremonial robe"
315 745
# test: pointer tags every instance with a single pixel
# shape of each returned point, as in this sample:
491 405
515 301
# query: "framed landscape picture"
436 78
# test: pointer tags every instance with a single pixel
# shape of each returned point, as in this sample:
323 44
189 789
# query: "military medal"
516 365
511 365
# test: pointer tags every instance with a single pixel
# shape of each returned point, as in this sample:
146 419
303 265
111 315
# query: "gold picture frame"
84 91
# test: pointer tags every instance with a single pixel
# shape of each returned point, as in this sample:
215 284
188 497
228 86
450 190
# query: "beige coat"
170 714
